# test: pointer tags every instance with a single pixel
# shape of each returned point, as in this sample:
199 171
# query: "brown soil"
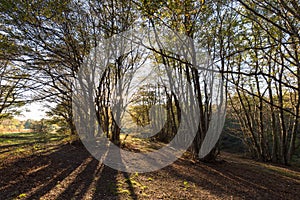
69 172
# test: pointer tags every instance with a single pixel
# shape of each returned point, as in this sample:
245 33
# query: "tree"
252 45
265 78
42 126
62 115
51 41
189 18
13 81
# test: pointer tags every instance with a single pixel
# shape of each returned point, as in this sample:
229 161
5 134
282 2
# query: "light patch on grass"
186 185
282 171
150 179
23 144
122 191
21 196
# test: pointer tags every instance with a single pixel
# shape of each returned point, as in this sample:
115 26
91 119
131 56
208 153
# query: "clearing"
39 166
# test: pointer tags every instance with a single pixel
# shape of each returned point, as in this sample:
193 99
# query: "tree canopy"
253 46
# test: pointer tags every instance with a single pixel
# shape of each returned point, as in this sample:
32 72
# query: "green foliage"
41 126
62 116
255 44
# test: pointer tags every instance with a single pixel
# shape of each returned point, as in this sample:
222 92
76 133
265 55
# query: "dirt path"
69 172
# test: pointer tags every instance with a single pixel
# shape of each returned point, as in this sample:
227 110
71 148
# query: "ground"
59 170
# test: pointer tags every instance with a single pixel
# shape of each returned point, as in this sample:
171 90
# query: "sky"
35 111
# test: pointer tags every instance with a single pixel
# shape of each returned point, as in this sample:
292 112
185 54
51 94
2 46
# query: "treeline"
11 125
252 46
38 126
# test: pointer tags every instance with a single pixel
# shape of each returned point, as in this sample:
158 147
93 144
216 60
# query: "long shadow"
130 185
16 137
36 137
256 184
82 182
37 175
30 141
68 172
107 185
20 144
193 177
236 179
81 176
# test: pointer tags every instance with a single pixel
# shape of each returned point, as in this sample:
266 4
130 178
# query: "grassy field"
22 144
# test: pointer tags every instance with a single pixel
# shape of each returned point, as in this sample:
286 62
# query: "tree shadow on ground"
26 140
111 182
236 179
69 172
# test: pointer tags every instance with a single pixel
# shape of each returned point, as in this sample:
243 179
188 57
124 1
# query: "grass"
20 144
270 168
279 170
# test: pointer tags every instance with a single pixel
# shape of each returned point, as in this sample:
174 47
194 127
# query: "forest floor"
58 170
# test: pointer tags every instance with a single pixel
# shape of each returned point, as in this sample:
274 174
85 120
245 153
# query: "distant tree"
41 126
141 104
27 124
62 116
11 124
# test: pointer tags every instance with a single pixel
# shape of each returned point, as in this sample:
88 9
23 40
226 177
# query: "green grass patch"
16 144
